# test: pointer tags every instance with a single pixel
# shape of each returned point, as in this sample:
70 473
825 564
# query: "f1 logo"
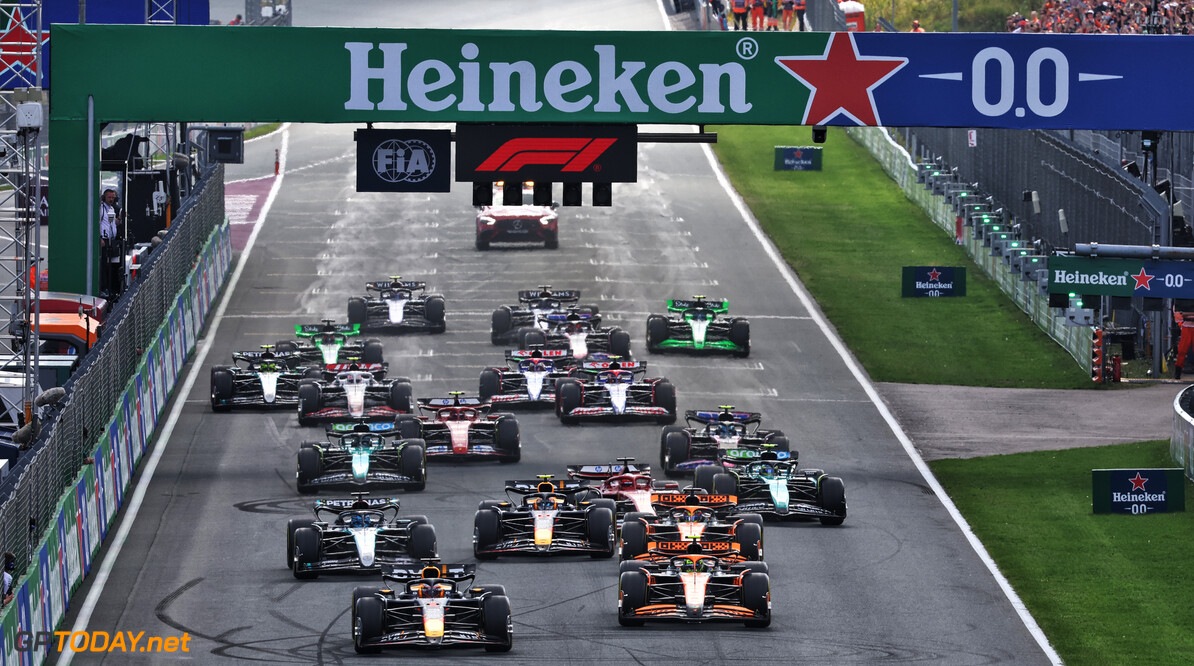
575 153
546 153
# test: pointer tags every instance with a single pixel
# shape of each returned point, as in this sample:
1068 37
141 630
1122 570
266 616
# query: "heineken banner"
566 76
1138 491
933 281
1121 277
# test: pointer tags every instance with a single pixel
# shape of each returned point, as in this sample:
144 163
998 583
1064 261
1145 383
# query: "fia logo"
397 161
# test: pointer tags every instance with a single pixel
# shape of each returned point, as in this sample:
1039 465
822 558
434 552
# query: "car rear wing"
526 487
682 304
563 317
348 428
597 366
450 402
346 504
384 285
363 367
562 295
714 548
311 330
259 355
406 573
520 354
742 456
602 472
686 499
709 416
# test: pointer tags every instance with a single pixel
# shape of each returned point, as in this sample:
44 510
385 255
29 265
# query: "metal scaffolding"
161 12
22 203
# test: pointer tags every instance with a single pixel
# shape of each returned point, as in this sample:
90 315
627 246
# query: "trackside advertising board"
933 281
1138 491
64 555
415 75
1121 277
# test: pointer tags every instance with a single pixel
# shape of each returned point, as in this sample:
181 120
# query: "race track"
898 582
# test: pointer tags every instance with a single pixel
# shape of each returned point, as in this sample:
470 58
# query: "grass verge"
1105 589
848 230
261 130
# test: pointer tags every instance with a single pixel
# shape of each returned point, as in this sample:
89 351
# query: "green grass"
261 130
1106 589
848 231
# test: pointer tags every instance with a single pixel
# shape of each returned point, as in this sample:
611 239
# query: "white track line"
816 315
134 506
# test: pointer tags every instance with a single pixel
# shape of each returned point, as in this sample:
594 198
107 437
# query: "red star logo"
18 46
1142 279
934 275
1138 482
841 81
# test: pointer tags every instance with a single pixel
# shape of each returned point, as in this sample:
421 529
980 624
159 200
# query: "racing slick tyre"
490 384
750 518
638 516
417 520
495 615
507 440
487 531
755 567
363 592
423 544
306 552
433 310
601 531
656 331
569 396
749 538
310 466
703 477
634 539
292 525
372 352
481 590
780 443
675 451
489 504
585 495
500 324
833 497
313 373
629 565
357 311
285 347
412 462
221 388
755 589
592 309
408 426
607 503
308 401
400 397
664 395
619 343
740 336
552 242
632 590
368 623
725 484
531 337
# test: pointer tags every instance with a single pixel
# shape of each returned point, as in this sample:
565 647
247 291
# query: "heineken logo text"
603 85
1137 497
1076 277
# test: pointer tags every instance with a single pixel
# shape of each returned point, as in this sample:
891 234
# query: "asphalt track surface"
898 582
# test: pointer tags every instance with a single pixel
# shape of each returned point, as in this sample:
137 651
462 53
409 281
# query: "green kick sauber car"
328 343
700 325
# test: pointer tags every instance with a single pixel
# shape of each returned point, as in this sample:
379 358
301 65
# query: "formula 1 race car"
548 518
529 378
400 305
458 428
715 521
356 535
710 434
259 379
628 484
329 343
776 488
511 322
518 224
578 331
615 390
694 587
698 325
431 607
362 454
354 392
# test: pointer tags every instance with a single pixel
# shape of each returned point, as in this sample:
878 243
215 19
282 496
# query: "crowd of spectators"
1124 17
